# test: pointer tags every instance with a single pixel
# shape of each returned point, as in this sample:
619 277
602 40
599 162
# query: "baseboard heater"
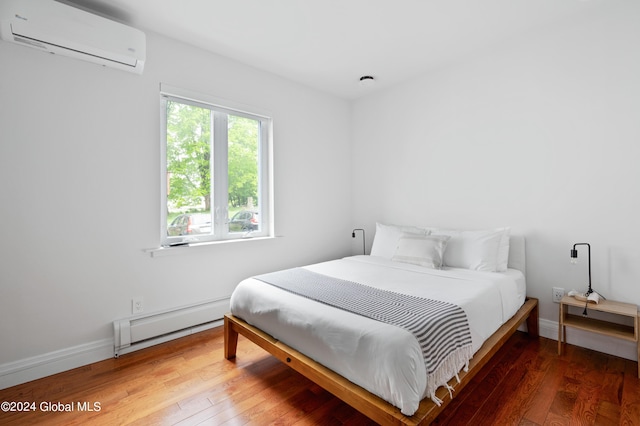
140 332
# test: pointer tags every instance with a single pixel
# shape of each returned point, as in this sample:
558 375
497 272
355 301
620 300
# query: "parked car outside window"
190 224
244 221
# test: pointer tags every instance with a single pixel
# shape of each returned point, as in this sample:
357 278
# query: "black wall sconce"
574 260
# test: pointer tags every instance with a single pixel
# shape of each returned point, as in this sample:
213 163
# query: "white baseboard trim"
548 329
594 341
37 367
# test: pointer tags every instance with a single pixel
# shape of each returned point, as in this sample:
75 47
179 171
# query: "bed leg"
532 322
230 339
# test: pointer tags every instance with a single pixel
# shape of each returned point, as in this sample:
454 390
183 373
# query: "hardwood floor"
188 382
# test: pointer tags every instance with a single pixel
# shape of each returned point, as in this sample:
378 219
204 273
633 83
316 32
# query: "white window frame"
219 200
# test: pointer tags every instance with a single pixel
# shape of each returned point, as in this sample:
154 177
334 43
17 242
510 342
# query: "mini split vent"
57 28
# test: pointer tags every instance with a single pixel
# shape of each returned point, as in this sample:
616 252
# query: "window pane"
243 169
188 170
215 171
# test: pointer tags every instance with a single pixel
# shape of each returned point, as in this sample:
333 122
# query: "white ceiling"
330 44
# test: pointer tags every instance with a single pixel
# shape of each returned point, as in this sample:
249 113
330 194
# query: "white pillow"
486 250
503 250
386 239
423 250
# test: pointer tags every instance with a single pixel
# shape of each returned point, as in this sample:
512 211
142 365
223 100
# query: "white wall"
541 134
80 197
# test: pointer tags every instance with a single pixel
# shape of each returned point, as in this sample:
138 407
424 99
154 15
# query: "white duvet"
384 359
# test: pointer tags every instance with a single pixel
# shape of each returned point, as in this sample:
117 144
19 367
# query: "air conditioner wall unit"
58 28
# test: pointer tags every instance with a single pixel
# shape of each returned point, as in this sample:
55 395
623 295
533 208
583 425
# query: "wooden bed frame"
370 405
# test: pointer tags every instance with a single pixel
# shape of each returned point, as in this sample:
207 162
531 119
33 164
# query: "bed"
377 367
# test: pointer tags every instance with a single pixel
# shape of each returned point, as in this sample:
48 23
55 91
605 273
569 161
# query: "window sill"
189 248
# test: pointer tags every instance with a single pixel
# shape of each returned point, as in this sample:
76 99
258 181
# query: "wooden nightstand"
626 332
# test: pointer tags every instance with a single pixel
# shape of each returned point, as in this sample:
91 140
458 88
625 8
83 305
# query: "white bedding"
382 358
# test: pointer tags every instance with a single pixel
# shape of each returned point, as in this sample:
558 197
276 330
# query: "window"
215 171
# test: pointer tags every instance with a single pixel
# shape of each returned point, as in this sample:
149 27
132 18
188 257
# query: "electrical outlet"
557 294
136 305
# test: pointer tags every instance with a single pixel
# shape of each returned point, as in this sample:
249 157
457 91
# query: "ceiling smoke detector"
366 80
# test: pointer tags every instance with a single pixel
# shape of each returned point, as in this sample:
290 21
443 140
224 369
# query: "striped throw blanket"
441 328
